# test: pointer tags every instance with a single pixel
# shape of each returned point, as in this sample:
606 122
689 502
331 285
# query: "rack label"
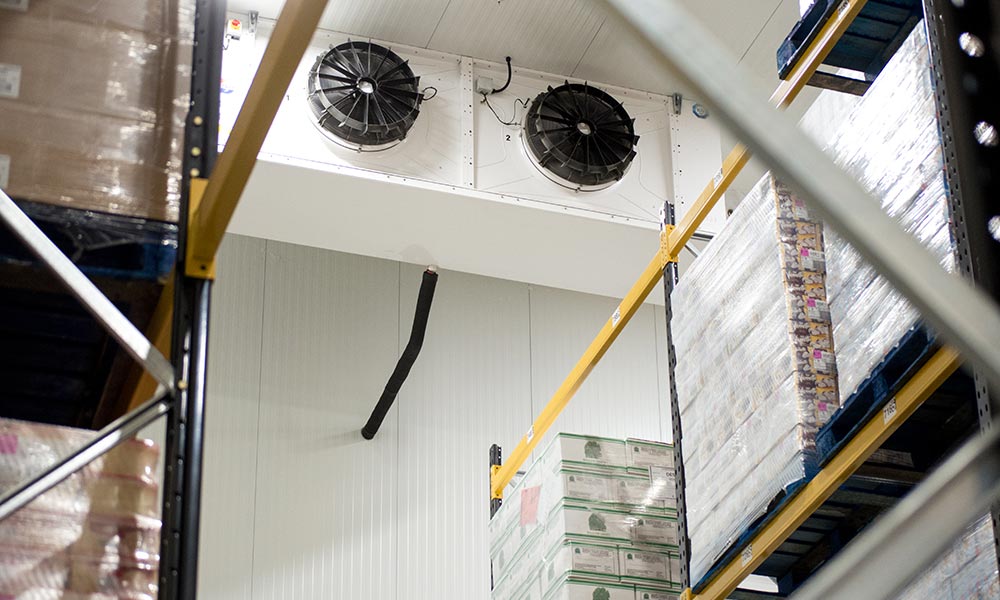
10 81
4 170
889 411
531 434
717 179
747 555
21 5
616 317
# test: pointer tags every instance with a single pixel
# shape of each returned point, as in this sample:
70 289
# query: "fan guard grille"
580 135
364 94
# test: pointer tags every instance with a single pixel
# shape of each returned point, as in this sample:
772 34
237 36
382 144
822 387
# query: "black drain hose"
408 357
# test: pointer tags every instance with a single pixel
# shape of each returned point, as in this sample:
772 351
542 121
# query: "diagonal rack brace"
106 313
671 241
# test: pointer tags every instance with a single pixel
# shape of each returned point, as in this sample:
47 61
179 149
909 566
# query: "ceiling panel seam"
583 54
440 19
761 31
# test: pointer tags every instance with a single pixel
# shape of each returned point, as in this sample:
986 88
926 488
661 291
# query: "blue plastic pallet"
905 358
741 542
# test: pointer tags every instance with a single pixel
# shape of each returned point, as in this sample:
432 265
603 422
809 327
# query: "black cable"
510 74
424 92
513 121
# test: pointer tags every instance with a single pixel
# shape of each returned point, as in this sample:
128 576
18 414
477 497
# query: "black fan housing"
580 136
364 95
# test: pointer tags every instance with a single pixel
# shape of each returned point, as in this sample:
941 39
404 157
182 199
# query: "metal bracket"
678 103
495 495
194 266
665 256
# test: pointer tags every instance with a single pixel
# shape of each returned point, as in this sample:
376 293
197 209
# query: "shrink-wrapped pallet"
584 517
967 571
756 375
95 535
94 97
890 142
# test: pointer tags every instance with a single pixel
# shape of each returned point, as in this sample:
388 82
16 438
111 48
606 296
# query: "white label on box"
747 555
587 487
812 260
817 310
21 5
655 531
642 594
4 170
889 411
822 361
646 455
10 81
593 559
648 565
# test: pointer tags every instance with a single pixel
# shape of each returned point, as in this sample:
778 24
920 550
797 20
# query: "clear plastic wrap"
967 571
891 143
96 535
94 96
755 376
576 509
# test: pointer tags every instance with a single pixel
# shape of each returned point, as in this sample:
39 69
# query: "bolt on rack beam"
672 240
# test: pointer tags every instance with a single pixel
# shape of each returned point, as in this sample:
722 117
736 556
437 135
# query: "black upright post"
189 350
684 542
496 459
963 40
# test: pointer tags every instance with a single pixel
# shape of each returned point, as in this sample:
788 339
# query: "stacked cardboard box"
756 376
95 536
94 97
592 518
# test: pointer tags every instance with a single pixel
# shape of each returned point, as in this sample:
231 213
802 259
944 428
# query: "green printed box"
571 589
583 561
644 565
586 451
646 453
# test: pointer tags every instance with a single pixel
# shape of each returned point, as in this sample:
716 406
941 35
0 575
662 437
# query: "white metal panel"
469 388
549 36
621 396
227 517
429 224
697 159
325 497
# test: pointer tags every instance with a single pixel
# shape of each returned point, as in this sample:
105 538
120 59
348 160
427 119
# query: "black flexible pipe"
510 75
408 357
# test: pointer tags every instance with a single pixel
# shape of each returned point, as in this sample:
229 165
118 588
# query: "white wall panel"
620 397
325 497
226 545
469 388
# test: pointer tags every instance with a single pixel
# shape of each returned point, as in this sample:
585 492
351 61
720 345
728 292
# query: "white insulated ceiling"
577 38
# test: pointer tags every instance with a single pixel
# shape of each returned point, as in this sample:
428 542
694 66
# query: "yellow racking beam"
923 383
292 34
674 240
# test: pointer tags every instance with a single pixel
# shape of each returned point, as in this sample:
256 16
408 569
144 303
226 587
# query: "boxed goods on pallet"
94 100
756 376
967 571
890 142
95 535
581 518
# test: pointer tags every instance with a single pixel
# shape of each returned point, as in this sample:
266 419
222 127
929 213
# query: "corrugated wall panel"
326 498
226 545
470 388
620 397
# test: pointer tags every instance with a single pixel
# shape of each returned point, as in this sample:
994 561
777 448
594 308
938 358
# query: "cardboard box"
94 97
570 589
585 451
584 562
640 492
645 453
579 523
645 593
521 575
644 565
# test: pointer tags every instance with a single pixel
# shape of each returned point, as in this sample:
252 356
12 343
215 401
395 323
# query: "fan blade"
335 89
576 102
379 113
550 104
394 82
368 99
599 118
598 142
622 135
358 48
350 113
557 130
557 120
396 69
627 123
558 101
390 110
390 94
335 77
385 56
338 61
